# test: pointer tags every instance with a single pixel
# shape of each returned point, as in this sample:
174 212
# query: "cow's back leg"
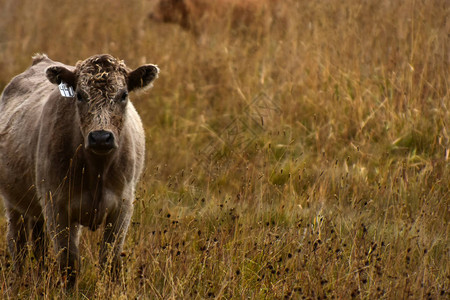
17 237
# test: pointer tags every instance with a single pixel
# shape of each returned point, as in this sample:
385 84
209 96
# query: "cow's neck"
97 170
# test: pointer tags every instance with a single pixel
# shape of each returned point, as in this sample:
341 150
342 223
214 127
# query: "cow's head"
101 84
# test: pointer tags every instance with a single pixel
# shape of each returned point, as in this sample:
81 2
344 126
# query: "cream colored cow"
71 152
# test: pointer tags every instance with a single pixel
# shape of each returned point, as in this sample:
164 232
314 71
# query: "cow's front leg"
66 245
40 242
65 237
116 226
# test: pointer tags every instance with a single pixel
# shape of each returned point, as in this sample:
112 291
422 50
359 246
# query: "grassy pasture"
308 159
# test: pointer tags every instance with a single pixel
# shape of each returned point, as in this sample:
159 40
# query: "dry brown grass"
310 161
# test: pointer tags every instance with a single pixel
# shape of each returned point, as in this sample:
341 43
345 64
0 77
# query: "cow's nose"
101 141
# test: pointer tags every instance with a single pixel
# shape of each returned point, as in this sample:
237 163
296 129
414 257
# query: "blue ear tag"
65 90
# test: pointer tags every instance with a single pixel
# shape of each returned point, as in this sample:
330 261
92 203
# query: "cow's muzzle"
101 142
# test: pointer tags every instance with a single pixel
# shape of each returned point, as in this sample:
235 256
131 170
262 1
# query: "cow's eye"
79 96
124 96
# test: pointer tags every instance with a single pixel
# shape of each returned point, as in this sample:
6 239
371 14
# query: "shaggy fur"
48 173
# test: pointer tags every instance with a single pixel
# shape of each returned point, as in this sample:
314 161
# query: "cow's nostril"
101 141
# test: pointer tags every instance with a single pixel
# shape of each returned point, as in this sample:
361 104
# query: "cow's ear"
142 77
56 74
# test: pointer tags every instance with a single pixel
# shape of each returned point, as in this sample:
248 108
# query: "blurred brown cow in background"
199 15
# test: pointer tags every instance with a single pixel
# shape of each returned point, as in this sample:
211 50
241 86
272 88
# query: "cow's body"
49 170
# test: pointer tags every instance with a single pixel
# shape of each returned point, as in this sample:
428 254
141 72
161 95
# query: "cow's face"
101 85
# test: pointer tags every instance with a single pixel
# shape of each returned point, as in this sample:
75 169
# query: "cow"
197 16
71 153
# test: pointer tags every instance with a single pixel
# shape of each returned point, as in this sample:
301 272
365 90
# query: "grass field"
307 159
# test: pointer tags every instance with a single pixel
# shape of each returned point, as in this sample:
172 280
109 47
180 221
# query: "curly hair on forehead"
102 62
101 76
